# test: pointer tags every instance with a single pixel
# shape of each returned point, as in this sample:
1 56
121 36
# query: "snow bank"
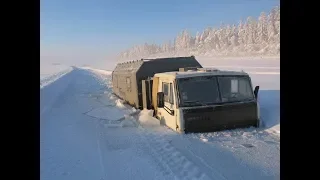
48 79
119 103
146 118
112 108
269 101
274 130
48 69
112 111
98 71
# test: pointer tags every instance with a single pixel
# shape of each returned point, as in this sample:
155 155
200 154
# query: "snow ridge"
45 81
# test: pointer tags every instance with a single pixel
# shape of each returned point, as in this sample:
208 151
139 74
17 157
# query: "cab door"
167 114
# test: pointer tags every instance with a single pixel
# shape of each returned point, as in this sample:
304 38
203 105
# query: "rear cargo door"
167 114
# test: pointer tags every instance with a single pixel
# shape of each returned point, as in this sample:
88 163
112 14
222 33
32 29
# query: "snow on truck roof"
185 74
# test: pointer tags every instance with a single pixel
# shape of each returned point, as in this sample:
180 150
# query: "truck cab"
205 100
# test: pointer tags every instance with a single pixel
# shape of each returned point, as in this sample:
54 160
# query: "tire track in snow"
260 159
170 160
198 159
56 90
100 153
164 168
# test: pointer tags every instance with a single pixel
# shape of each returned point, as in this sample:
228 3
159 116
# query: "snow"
274 129
53 74
88 133
145 119
97 71
269 107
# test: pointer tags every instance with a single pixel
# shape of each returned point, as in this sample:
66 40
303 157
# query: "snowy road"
79 141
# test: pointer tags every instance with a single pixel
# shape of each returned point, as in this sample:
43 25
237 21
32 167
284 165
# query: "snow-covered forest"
252 37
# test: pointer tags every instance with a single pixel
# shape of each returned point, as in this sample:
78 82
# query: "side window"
234 86
167 89
171 94
244 87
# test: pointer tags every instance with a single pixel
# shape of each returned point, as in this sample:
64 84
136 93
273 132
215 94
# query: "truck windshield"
198 91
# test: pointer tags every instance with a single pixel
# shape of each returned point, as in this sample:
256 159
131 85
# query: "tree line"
259 36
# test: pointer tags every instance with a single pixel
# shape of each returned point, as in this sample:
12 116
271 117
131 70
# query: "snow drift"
146 119
50 78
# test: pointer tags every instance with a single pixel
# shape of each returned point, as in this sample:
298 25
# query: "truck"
187 97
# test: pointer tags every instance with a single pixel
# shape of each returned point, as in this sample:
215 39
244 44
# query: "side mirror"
256 90
160 99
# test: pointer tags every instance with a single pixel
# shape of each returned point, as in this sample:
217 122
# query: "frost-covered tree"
262 29
178 42
242 33
166 47
260 35
197 39
185 40
277 24
272 32
234 36
251 30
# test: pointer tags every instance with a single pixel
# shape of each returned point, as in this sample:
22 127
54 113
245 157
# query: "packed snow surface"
88 133
48 78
